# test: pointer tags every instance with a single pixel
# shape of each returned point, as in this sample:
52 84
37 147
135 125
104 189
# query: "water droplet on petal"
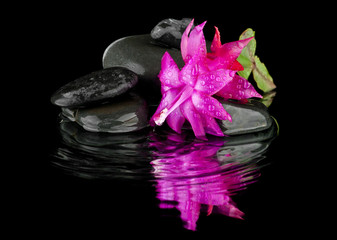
246 84
195 70
211 107
232 73
241 44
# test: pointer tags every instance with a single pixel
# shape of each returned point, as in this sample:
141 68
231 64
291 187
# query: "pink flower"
187 93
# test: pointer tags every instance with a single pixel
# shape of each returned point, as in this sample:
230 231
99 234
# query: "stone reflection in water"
102 155
202 176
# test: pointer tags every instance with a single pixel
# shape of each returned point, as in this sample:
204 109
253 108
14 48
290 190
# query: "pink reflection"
191 179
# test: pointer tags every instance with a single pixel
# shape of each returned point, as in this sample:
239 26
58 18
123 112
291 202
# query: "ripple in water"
190 175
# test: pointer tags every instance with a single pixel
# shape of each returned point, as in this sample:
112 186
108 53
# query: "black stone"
126 114
169 31
140 56
248 117
96 86
73 134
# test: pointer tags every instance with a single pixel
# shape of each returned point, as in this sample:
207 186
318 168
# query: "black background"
60 43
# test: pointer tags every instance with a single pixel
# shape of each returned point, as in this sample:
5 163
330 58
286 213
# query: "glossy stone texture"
99 85
169 31
248 117
138 54
127 114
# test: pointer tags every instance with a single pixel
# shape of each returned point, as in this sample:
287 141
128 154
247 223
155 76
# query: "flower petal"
189 73
216 43
236 66
195 43
169 74
212 127
167 98
212 81
184 40
226 55
176 120
167 106
239 88
192 115
207 105
232 50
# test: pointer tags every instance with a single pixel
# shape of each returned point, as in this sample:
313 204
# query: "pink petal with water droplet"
193 44
192 115
167 98
239 88
189 73
169 74
216 43
176 120
226 55
184 40
207 105
211 126
232 50
212 81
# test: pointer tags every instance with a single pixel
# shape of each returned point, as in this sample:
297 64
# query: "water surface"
190 177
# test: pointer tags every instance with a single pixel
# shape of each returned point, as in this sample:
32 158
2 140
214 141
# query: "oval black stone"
138 54
248 117
96 86
169 31
125 114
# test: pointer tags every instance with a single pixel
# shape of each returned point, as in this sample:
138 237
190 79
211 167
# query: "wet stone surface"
127 114
138 54
96 86
169 31
247 117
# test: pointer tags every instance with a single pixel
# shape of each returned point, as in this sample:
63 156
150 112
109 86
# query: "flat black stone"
125 114
138 54
96 86
169 31
248 117
73 134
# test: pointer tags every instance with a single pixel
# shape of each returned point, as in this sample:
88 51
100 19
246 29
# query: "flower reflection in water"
190 175
202 176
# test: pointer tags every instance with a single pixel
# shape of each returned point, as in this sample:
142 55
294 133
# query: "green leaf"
249 50
268 98
251 63
247 64
262 77
246 58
